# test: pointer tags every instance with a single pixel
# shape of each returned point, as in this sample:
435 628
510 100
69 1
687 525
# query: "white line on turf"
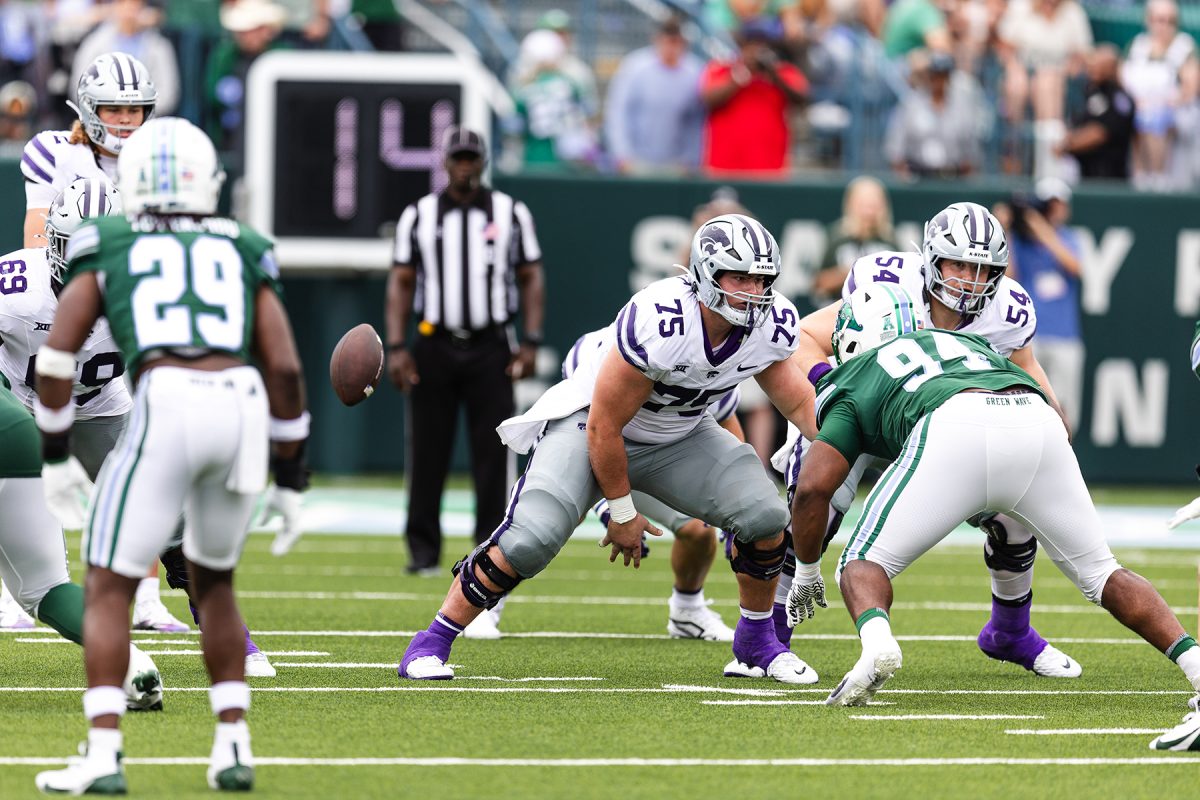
642 762
945 716
1083 731
776 703
392 665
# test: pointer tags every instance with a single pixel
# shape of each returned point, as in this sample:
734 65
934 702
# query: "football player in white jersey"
636 420
116 95
960 275
695 542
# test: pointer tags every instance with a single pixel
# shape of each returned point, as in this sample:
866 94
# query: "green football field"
587 697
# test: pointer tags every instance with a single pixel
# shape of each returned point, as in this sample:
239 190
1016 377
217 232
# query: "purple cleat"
257 663
1008 636
757 653
427 653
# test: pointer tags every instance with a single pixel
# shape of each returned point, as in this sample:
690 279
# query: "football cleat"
485 626
152 615
257 665
12 616
425 668
787 667
866 678
85 775
1185 735
143 683
698 622
1054 663
231 765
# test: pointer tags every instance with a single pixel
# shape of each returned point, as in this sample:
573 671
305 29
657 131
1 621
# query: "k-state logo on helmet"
716 238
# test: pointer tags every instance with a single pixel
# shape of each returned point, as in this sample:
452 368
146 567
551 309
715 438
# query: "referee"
463 257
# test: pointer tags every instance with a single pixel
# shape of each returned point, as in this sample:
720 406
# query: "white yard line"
1083 731
642 762
775 703
895 717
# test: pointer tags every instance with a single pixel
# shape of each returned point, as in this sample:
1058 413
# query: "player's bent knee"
695 530
1004 556
759 561
479 573
1092 581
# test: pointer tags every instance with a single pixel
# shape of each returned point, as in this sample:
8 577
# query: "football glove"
285 503
807 592
67 488
1190 511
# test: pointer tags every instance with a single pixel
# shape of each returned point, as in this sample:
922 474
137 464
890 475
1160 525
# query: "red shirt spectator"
747 128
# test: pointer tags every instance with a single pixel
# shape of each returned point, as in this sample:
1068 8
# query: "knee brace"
175 566
1000 554
476 592
763 565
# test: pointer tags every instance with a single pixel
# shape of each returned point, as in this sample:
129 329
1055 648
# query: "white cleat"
427 668
698 622
152 615
257 666
231 764
866 678
12 616
787 667
85 775
1054 663
485 626
143 684
1185 735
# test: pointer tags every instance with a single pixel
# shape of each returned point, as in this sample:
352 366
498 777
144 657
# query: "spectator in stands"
18 42
580 74
1102 134
1044 255
865 227
551 107
18 105
254 27
133 27
914 24
748 99
790 20
381 23
935 131
308 21
1042 43
1185 156
654 119
1154 64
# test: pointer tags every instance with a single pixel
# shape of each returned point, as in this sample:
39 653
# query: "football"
356 364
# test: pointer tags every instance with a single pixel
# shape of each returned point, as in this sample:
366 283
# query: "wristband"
56 447
53 363
818 371
807 573
291 473
621 509
53 420
532 341
290 430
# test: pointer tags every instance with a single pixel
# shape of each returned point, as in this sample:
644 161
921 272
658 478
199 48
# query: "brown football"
356 364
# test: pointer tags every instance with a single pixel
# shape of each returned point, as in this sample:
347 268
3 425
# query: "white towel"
561 400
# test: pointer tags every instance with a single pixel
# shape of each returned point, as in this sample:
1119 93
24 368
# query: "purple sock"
436 640
779 617
754 642
1011 616
251 647
1008 636
195 613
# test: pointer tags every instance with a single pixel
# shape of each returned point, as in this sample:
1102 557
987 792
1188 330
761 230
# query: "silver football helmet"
873 315
169 166
969 233
84 198
734 243
113 79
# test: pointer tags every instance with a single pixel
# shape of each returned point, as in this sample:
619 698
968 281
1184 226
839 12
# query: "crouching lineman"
635 419
959 283
198 434
969 432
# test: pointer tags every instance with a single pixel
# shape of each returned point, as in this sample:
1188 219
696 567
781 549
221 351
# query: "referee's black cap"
463 140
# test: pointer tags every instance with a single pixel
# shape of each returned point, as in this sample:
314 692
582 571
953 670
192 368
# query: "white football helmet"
169 166
970 233
84 198
113 79
874 315
734 243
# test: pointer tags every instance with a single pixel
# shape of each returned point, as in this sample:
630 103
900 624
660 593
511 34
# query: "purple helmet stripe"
748 224
120 71
88 188
101 198
41 173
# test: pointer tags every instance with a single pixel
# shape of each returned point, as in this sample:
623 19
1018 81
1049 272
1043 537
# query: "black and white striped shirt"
466 257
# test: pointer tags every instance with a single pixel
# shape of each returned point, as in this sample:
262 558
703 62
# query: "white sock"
748 614
687 599
782 588
147 590
104 744
876 635
230 735
498 609
1189 662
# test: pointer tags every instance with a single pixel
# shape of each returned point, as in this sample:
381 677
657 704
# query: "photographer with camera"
748 102
1044 255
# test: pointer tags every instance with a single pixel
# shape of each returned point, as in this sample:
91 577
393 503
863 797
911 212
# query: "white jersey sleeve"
27 307
1008 321
49 162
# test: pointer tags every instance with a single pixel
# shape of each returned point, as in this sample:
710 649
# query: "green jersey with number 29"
871 403
178 282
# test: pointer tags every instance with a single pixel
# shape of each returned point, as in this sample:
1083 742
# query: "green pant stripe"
889 488
137 457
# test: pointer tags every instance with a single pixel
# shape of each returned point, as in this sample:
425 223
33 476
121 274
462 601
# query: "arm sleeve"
840 430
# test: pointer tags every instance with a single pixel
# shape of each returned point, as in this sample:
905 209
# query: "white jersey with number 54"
1008 321
27 306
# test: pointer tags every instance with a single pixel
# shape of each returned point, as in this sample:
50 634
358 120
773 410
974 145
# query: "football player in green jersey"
948 411
192 299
